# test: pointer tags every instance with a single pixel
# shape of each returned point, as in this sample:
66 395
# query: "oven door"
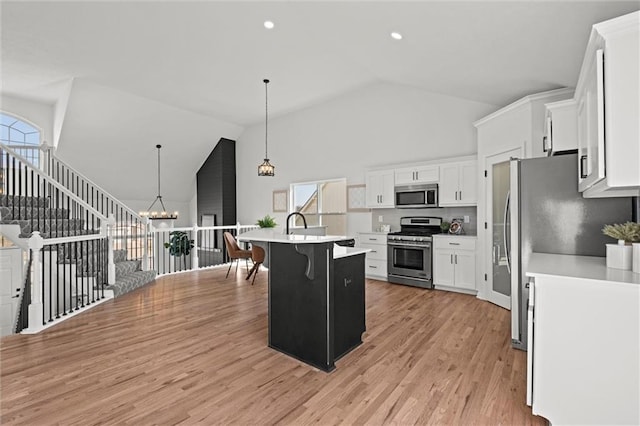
409 260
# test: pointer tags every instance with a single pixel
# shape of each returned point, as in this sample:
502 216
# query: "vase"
636 258
619 256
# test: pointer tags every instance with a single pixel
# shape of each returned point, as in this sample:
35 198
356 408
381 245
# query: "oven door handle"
425 245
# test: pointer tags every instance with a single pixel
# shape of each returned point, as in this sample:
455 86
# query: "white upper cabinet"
608 106
561 132
380 189
416 175
458 184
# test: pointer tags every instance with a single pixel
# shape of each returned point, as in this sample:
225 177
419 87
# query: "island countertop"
276 235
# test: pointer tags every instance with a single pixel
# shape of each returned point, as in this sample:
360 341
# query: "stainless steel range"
409 251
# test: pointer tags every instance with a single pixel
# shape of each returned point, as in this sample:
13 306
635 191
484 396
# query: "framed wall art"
280 199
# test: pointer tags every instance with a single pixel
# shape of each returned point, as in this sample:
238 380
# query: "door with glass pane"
498 227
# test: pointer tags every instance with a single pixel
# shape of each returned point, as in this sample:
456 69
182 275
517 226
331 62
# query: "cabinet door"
405 176
349 305
468 183
380 189
387 196
448 192
591 124
465 265
443 267
417 175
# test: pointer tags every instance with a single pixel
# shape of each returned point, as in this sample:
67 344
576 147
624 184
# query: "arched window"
21 136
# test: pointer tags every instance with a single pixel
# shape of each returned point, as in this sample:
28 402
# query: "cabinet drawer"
454 243
376 268
378 251
372 239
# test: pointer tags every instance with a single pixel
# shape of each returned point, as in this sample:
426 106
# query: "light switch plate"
380 218
466 219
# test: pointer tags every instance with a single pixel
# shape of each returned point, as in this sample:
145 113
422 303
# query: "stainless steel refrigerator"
549 215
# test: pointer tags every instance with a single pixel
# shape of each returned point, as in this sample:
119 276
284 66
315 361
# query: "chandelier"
154 214
266 168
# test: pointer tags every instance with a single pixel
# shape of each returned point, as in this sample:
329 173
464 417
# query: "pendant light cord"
266 116
158 146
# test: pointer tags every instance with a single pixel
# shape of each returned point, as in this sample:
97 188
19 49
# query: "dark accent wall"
216 188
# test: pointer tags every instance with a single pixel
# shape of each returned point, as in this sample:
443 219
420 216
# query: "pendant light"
163 215
266 168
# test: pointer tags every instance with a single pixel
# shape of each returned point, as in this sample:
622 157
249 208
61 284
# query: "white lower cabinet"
454 261
583 362
376 259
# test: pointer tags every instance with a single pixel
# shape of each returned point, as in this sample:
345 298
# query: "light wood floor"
192 349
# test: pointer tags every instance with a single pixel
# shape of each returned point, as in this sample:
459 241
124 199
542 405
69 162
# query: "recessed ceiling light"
269 25
396 36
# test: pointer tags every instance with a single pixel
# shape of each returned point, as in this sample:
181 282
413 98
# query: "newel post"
111 266
36 309
195 261
145 245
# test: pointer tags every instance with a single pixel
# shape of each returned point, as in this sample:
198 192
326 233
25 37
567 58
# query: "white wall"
381 124
110 136
38 114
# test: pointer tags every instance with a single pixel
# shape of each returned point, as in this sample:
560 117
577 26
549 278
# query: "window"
322 203
21 136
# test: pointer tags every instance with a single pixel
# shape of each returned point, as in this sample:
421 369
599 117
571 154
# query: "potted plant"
444 226
179 245
619 255
267 222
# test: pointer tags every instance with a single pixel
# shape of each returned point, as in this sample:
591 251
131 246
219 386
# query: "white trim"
523 101
108 295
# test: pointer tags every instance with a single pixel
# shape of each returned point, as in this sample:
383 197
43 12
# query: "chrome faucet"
304 220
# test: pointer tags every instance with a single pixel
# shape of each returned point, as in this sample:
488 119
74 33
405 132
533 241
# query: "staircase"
129 274
67 217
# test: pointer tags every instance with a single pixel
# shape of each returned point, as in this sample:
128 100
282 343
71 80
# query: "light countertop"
454 236
587 267
339 251
276 235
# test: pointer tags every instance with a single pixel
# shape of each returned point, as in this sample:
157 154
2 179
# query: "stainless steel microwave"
416 196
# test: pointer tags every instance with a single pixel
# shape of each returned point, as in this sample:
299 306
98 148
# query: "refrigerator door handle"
504 230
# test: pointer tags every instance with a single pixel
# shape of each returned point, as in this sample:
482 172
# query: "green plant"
267 222
179 245
444 226
629 232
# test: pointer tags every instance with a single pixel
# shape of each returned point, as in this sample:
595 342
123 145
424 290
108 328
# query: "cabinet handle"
347 281
456 195
374 267
451 261
456 259
454 244
460 195
544 144
373 239
583 166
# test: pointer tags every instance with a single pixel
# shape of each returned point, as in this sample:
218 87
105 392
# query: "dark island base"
316 303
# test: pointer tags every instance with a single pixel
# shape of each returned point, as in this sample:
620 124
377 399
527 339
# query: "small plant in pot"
625 233
444 227
619 256
267 222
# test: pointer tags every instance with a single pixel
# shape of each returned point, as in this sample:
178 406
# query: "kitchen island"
316 295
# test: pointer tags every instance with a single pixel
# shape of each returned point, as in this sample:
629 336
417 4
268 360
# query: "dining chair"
257 255
235 252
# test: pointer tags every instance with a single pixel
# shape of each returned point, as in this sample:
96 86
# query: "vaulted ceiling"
210 57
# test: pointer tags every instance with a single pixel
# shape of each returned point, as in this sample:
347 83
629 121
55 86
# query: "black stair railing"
23 312
129 231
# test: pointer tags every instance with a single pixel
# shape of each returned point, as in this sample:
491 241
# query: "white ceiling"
210 57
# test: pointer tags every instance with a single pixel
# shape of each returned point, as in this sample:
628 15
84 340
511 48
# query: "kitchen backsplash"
392 217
